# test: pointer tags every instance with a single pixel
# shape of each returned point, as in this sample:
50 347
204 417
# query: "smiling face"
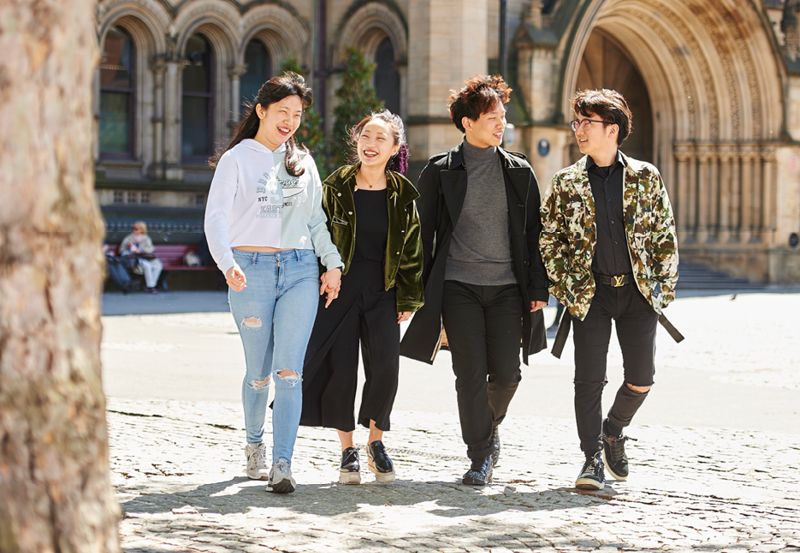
487 130
376 144
279 121
596 140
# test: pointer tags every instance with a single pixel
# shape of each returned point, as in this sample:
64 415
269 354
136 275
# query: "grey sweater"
480 252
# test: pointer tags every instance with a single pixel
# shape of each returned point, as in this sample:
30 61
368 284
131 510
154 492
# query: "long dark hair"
274 90
399 161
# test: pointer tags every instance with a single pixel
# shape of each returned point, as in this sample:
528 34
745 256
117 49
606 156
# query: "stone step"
693 276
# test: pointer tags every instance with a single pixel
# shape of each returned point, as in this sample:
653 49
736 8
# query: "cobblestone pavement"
701 480
178 468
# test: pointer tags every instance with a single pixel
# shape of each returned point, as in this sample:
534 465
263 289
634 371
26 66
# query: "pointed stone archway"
715 84
606 64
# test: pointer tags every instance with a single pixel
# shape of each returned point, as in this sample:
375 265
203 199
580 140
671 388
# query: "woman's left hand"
403 317
331 284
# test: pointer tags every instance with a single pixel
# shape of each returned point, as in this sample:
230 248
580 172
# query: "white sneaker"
280 478
257 461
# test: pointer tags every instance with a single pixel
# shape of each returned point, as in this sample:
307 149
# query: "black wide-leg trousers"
365 316
484 327
636 322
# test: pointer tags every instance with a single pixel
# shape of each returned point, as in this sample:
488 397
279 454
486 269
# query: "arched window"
198 101
117 95
387 78
259 70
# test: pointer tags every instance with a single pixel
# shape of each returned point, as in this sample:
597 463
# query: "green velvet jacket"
403 246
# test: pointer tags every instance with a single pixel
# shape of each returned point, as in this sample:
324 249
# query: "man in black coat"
483 274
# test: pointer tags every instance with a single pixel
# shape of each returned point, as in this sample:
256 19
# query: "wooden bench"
171 256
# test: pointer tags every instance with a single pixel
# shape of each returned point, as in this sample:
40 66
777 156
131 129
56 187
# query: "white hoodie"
253 201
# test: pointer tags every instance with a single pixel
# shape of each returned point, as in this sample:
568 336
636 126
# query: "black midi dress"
364 312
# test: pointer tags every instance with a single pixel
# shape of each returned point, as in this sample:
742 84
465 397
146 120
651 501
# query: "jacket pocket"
337 221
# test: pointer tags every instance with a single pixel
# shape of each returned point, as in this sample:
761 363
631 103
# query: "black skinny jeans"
636 323
484 327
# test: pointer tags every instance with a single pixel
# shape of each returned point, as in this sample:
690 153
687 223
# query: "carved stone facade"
722 84
715 85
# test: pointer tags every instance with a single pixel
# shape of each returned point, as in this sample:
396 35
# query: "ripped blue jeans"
275 314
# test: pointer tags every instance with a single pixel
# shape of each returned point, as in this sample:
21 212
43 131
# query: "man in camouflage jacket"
609 246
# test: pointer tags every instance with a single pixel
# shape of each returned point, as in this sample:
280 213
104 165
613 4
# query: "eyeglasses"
585 123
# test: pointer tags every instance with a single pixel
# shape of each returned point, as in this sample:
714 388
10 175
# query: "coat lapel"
518 181
454 190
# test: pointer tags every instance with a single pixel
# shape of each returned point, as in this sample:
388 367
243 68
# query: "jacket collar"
398 185
456 158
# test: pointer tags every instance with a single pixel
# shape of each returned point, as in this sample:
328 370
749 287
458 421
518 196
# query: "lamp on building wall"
508 135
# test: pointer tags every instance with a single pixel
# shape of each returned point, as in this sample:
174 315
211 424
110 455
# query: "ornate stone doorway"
708 70
606 64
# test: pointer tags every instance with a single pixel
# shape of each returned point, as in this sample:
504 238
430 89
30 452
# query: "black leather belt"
616 281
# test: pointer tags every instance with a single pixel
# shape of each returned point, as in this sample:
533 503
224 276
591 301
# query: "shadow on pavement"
240 495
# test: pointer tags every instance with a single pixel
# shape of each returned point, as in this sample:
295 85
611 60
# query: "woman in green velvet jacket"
373 222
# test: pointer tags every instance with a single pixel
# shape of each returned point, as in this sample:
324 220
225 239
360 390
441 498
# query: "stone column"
172 119
680 201
691 208
703 195
736 197
448 44
713 196
234 73
756 224
158 66
402 69
746 195
725 157
768 197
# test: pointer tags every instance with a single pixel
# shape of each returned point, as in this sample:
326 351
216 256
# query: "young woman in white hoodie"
266 228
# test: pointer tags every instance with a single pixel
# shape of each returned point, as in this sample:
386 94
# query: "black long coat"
443 187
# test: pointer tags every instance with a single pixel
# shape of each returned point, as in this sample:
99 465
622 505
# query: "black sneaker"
379 462
614 454
591 477
495 443
350 470
480 473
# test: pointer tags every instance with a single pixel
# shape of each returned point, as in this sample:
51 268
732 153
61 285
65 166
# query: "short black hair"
609 105
478 96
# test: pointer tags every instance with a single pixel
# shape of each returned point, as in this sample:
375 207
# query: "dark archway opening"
387 78
606 64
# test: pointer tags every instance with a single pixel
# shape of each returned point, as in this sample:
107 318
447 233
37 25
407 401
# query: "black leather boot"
480 473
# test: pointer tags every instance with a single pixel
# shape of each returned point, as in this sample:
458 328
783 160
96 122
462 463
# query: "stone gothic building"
714 86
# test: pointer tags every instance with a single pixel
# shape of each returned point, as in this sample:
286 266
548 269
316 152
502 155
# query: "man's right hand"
236 279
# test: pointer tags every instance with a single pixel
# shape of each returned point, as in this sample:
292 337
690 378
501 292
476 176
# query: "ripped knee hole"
256 385
251 322
289 377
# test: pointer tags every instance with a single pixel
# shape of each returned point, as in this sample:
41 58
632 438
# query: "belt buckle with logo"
619 281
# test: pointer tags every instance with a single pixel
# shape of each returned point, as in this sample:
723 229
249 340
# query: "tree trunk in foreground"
55 492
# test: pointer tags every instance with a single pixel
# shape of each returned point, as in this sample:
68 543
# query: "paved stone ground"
178 466
179 472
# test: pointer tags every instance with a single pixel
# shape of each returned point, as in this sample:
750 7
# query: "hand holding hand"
537 305
331 284
236 279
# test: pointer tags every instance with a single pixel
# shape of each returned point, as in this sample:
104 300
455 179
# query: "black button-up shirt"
611 255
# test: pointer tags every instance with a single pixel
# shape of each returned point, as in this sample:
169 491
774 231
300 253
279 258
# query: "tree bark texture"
55 492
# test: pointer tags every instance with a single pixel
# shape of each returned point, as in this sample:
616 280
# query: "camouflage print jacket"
569 235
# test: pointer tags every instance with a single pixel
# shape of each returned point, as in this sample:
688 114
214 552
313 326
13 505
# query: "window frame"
132 97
